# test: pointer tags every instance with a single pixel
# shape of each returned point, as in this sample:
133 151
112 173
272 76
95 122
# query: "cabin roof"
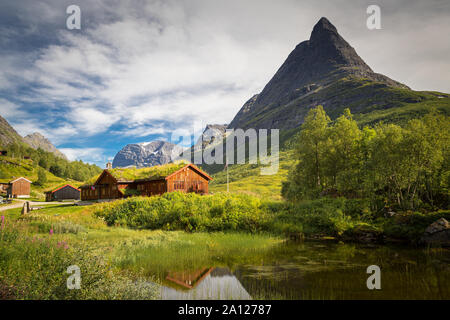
7 181
129 175
59 188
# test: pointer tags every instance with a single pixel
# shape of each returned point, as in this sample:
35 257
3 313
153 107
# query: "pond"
316 270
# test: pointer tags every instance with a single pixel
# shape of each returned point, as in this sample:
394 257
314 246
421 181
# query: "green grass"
11 168
34 266
155 172
178 251
247 178
120 261
366 99
116 259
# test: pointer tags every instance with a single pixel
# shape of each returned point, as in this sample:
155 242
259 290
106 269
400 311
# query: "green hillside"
246 178
11 168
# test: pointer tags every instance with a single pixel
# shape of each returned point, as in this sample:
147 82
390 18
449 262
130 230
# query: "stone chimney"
109 166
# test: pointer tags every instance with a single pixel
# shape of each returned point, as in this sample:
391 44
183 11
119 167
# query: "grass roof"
151 173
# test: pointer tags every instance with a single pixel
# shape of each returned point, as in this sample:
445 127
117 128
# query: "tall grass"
179 251
33 267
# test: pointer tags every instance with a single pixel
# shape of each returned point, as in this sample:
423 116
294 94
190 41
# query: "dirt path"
19 204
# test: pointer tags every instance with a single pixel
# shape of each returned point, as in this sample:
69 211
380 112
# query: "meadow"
116 262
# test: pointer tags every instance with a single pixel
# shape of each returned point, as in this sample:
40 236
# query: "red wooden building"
120 183
17 188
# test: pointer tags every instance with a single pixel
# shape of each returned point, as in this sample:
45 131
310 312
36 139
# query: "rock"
146 154
363 233
314 73
209 135
437 233
8 134
37 140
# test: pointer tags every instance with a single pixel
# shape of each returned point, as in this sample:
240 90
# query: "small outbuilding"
17 188
66 192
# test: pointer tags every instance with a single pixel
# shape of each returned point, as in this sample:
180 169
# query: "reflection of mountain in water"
211 283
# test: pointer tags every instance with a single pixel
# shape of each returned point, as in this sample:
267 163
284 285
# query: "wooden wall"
64 193
151 188
20 188
106 188
187 180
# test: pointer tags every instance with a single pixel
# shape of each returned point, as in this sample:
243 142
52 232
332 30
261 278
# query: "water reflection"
208 283
318 271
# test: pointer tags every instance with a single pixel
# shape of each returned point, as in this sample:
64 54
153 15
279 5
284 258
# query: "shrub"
36 268
189 212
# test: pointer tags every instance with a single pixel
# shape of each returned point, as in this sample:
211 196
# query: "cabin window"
178 185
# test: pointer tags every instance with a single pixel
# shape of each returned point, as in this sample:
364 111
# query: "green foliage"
155 172
407 167
42 177
411 225
187 211
322 216
232 212
36 268
76 170
247 178
179 251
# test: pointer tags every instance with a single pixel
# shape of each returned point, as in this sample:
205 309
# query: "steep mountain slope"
37 140
326 70
209 135
146 154
8 134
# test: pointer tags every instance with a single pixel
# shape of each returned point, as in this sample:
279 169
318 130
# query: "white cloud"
10 110
91 155
159 66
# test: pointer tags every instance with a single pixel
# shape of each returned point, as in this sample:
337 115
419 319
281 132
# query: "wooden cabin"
18 188
119 183
66 192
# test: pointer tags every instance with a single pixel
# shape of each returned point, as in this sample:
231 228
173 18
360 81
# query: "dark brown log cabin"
66 192
110 185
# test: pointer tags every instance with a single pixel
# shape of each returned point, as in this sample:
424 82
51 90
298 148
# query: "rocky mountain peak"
313 65
37 140
7 133
146 154
323 26
209 134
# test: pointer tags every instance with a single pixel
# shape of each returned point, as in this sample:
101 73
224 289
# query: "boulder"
437 233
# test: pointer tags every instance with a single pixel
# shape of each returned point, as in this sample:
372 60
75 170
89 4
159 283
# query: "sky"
139 70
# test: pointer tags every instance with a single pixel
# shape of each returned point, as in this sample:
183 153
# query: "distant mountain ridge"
209 134
37 140
323 70
8 134
146 154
